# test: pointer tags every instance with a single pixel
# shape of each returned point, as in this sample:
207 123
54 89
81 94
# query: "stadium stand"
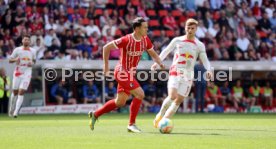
232 30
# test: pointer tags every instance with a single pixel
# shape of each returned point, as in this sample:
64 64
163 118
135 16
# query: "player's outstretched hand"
106 71
208 75
153 67
18 61
30 64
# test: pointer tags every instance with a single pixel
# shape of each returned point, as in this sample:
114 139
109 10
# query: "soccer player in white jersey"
24 58
186 49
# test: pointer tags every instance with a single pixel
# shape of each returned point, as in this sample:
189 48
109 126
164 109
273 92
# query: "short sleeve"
149 43
121 42
14 53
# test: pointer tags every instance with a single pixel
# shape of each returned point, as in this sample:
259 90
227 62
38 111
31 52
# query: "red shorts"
126 81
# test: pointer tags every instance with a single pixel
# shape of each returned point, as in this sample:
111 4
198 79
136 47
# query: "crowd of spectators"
77 29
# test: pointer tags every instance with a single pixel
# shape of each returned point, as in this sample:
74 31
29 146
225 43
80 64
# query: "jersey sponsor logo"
25 59
135 53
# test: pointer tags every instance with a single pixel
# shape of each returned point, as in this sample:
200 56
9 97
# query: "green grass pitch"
209 131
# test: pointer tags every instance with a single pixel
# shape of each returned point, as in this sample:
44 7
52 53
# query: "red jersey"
131 50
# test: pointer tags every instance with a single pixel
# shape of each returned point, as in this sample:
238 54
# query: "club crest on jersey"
131 84
135 53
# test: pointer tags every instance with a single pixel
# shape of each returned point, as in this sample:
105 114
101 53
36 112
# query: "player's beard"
26 45
143 33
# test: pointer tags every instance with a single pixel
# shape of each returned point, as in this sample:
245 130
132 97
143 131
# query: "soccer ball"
165 125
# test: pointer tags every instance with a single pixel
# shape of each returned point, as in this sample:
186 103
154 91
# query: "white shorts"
183 87
21 83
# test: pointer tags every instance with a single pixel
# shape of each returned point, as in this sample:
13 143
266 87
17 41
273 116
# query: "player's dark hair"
26 35
137 22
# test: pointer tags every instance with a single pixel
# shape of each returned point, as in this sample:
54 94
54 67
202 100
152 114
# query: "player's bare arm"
156 58
13 60
14 57
106 51
31 63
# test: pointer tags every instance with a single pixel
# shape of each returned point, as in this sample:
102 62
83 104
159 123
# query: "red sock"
107 107
134 109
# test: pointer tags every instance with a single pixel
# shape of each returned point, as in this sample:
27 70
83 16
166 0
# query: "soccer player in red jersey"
131 47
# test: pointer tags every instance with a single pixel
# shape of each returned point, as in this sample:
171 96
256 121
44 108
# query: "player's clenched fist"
208 75
154 66
106 70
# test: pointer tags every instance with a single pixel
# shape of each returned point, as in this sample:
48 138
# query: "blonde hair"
191 21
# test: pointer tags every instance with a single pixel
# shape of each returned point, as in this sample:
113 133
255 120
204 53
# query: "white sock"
12 102
18 104
172 110
165 105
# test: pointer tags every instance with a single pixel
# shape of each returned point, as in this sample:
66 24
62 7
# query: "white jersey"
186 53
26 56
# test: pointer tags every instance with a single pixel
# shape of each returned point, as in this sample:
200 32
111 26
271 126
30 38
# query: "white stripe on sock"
18 104
12 103
165 105
171 111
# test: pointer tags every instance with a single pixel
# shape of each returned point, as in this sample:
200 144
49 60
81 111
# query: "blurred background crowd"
233 30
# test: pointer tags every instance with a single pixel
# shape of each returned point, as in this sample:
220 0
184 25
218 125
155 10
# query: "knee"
21 92
178 101
120 103
173 96
140 95
15 92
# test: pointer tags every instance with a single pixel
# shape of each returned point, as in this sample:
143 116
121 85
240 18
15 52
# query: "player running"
131 47
24 58
186 49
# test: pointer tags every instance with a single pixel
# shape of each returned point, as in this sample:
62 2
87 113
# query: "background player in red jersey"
131 47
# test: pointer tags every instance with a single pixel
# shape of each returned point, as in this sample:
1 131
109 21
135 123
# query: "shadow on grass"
260 130
187 133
